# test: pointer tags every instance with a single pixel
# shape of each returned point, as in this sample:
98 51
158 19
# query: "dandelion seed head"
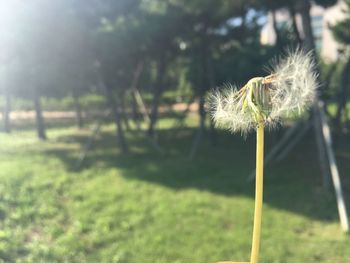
289 89
295 86
227 111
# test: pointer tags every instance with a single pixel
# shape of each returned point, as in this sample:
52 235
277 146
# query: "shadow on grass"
293 184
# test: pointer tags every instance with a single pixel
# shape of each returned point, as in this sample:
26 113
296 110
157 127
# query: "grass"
143 207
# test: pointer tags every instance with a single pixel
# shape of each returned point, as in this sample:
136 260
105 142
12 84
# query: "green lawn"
144 207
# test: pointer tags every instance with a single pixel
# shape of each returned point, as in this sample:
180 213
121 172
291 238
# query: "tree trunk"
116 115
79 115
205 85
158 90
309 43
211 84
205 79
275 28
135 112
6 112
294 23
123 111
134 107
40 125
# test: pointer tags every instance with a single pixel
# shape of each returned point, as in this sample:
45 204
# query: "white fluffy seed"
293 89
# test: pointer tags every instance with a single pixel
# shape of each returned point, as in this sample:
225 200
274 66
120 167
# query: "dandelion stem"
258 192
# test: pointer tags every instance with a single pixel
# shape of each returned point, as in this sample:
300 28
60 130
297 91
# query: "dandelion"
290 88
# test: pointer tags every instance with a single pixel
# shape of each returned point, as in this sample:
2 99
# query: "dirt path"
25 115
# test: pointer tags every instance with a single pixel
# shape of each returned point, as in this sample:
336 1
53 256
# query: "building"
321 19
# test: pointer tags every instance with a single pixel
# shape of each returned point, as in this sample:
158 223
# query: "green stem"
258 193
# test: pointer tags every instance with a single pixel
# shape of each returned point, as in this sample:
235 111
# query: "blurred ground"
25 114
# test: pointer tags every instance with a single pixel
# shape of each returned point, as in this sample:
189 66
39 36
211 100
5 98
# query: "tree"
7 102
212 28
163 24
303 7
283 35
32 37
7 66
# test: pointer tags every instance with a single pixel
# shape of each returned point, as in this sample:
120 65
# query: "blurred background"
108 153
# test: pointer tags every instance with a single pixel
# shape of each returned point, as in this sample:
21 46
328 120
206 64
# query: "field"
153 208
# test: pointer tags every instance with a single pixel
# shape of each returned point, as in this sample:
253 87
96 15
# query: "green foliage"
67 38
341 30
231 65
326 3
331 74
